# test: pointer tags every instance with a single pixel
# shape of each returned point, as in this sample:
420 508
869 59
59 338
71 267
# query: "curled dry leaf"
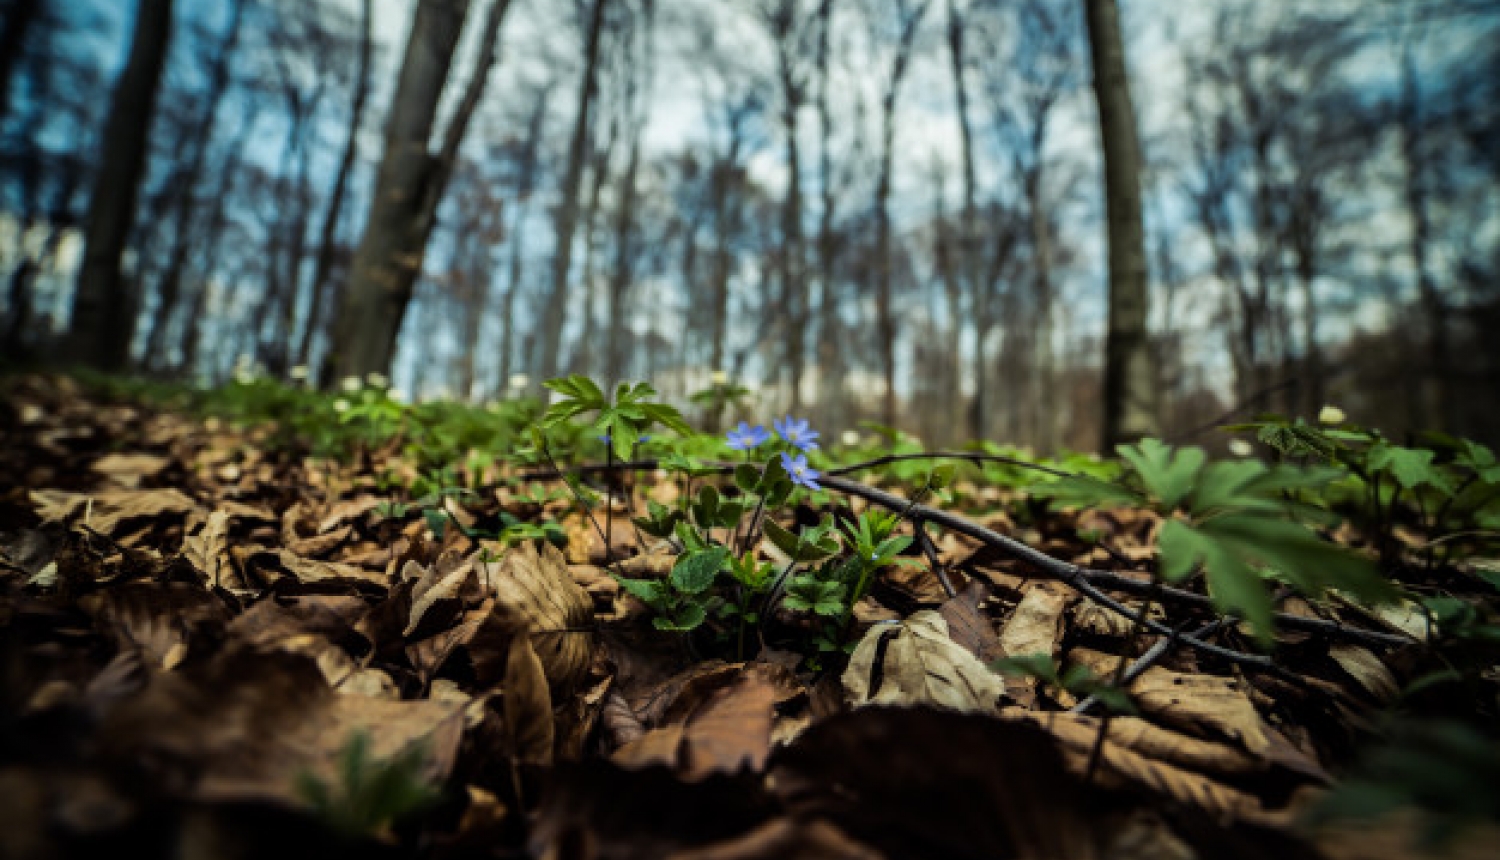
1368 670
720 723
109 511
128 470
537 588
1036 625
208 550
915 663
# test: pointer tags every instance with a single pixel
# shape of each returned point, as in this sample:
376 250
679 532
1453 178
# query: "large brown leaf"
915 663
536 587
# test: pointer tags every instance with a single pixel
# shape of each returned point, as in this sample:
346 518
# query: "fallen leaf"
537 587
915 663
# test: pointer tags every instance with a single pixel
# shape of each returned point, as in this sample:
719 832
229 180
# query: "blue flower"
796 433
745 437
801 474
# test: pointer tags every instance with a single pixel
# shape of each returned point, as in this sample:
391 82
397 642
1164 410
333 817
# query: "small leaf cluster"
369 794
623 420
1079 680
1236 522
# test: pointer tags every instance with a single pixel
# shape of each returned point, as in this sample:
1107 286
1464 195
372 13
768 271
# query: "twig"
1085 580
925 542
1139 666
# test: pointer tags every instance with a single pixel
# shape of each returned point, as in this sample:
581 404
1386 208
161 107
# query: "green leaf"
687 617
1082 491
651 591
694 572
1232 583
1039 666
747 478
1167 474
1410 467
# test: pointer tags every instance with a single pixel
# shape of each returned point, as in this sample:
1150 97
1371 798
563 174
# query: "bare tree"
409 184
908 18
103 298
1129 376
550 325
322 286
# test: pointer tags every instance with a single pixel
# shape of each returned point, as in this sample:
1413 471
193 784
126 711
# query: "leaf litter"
206 643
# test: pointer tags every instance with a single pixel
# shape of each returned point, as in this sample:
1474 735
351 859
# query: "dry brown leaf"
968 627
306 570
1077 740
442 582
714 727
346 511
106 512
916 663
538 589
128 470
208 550
527 703
1368 670
1036 625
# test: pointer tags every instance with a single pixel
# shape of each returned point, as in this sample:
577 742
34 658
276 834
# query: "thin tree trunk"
182 231
1434 306
549 341
102 305
323 291
19 17
885 321
409 185
1130 410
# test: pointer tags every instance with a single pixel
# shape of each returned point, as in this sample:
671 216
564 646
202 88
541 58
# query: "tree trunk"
1434 306
100 330
324 292
525 185
885 317
408 185
19 17
549 341
1129 374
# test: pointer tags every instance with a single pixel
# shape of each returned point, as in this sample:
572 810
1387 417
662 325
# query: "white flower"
299 372
244 375
1241 448
377 380
719 377
350 384
397 395
850 438
519 380
340 405
1331 415
243 361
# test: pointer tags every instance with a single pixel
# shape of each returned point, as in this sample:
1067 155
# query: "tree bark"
885 317
409 185
99 333
1129 374
324 292
18 20
549 343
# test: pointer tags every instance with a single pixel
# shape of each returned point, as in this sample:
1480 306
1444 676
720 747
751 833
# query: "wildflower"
1241 448
350 384
1331 415
377 380
519 380
850 438
298 373
340 405
745 437
719 377
396 394
796 433
801 474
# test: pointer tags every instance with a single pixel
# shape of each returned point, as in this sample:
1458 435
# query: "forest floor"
214 648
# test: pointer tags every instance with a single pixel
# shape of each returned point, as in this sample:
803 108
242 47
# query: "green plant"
369 795
1239 523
